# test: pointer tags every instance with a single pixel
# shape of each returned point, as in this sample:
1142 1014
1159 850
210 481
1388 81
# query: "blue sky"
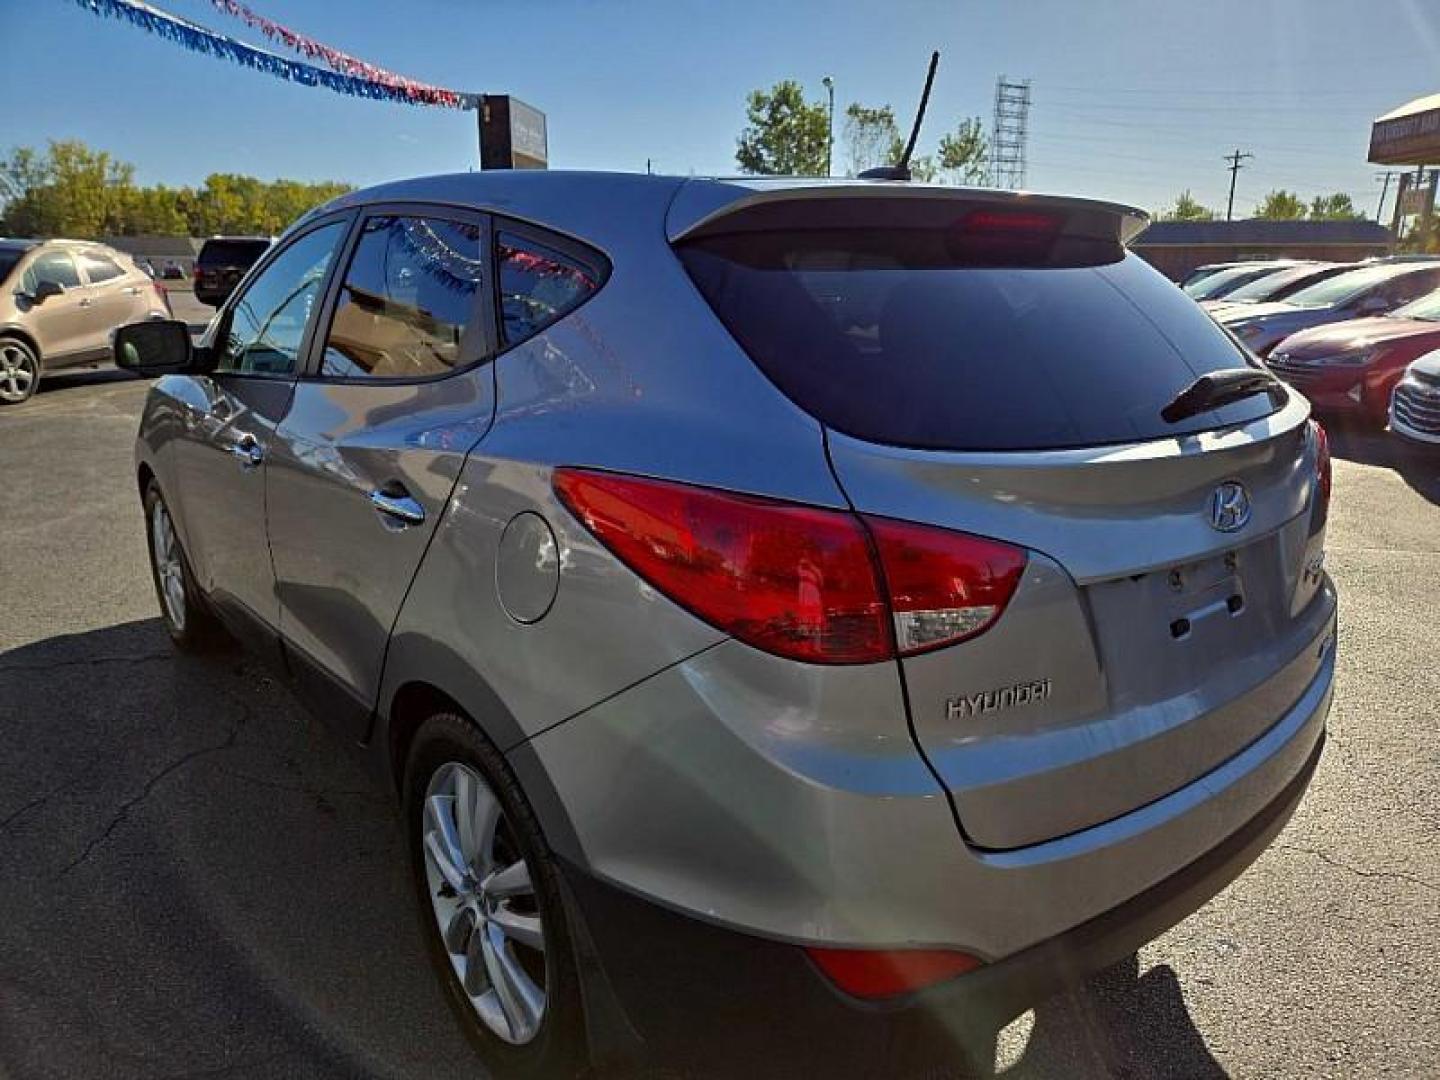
1133 100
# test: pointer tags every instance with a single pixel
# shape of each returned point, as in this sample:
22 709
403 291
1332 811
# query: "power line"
1235 160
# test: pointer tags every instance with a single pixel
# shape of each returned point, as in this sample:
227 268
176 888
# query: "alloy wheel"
17 372
169 571
486 909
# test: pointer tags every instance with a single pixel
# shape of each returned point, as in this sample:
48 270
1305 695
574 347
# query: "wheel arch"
144 474
27 338
423 677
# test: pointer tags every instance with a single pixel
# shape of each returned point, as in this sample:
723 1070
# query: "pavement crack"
1330 860
93 661
16 815
303 788
123 812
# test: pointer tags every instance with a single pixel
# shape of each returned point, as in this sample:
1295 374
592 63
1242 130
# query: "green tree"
964 154
1281 205
872 138
785 134
1337 207
1187 208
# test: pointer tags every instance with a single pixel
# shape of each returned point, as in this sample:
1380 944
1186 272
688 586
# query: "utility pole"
1235 159
829 85
1386 177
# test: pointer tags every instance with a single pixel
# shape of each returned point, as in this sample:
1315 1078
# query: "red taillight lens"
1322 460
944 587
798 581
795 581
1011 223
885 973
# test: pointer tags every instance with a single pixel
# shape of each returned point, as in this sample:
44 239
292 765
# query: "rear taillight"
797 581
943 587
1322 461
888 973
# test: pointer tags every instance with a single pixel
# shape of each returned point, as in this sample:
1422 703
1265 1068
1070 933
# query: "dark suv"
223 261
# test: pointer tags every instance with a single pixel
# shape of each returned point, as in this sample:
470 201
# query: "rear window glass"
880 334
1346 287
232 252
1221 284
1273 285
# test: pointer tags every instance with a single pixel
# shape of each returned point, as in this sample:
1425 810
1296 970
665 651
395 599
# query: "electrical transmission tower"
1008 133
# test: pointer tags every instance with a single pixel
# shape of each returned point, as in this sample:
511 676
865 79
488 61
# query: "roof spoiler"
711 209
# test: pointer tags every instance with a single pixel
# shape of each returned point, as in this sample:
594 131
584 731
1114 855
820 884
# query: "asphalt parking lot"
198 882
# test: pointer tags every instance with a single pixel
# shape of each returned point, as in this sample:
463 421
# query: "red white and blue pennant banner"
345 74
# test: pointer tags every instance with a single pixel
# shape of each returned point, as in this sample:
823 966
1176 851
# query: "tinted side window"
53 266
408 299
98 268
538 285
266 323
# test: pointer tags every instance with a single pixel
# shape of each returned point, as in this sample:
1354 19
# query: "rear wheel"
188 620
490 903
19 371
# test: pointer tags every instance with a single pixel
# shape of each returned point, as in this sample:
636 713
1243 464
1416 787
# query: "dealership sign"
512 134
1410 135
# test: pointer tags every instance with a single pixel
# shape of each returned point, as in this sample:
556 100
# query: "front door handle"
248 450
401 507
85 301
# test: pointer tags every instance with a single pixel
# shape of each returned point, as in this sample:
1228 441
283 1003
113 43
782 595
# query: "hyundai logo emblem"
1230 507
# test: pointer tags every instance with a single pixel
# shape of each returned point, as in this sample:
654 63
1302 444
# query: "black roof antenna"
901 169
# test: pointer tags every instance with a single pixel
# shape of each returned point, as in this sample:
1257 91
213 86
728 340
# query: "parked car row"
1343 335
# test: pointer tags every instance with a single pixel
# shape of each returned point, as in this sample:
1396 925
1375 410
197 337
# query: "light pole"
829 85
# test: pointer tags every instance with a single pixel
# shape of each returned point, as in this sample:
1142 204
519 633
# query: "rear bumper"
663 985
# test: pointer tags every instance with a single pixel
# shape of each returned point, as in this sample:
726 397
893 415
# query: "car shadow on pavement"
1417 465
69 380
199 878
1119 1023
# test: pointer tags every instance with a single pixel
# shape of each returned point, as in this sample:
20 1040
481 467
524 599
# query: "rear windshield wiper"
1220 388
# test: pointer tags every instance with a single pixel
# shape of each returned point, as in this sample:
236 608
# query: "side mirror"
156 347
45 290
1373 305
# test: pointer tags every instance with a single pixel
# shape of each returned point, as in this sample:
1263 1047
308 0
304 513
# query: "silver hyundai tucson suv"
800 619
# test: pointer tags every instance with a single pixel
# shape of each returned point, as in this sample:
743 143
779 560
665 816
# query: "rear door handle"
400 506
85 301
248 450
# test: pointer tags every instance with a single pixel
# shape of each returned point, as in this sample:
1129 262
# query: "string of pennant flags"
342 72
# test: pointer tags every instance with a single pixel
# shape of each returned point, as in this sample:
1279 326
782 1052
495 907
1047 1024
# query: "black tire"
557 1050
198 630
19 370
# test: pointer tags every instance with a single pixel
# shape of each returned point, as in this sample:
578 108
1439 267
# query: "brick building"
1177 247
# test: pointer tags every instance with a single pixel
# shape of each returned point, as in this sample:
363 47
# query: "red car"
1353 366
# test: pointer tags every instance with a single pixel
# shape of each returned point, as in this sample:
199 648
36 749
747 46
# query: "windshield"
1221 284
1272 284
887 336
1346 287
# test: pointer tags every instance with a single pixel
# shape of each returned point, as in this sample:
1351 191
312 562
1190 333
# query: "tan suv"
59 300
